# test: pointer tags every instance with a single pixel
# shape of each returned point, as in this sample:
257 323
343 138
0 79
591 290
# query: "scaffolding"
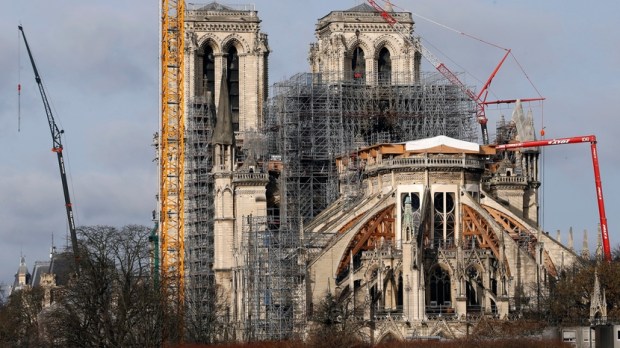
314 120
273 280
311 121
199 212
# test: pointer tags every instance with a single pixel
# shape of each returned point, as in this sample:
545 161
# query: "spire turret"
223 133
585 250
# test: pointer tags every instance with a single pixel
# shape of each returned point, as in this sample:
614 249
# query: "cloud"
99 62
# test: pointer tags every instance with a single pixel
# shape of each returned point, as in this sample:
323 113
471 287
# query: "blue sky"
99 64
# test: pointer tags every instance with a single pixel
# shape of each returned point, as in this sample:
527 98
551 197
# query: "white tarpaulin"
440 140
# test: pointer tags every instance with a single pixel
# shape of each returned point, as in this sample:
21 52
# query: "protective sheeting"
441 140
525 125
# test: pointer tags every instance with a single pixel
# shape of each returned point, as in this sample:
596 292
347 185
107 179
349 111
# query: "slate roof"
62 266
214 6
39 268
364 7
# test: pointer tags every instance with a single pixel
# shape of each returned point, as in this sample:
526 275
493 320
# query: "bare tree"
205 315
19 318
113 302
335 325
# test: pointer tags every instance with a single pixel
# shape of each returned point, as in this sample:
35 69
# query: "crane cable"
19 83
542 126
471 37
448 27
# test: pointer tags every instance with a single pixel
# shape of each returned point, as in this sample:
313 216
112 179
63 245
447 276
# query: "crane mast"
171 156
57 148
479 98
597 176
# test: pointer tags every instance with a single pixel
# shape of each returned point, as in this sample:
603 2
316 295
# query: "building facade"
362 178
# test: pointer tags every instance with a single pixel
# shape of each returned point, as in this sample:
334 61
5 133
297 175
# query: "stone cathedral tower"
222 38
380 195
359 45
226 84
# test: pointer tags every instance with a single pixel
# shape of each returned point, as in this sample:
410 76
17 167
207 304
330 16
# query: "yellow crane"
171 157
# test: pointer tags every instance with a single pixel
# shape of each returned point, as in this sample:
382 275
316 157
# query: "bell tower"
359 45
226 82
228 38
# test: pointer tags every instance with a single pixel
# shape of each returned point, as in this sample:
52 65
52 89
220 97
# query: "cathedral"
362 178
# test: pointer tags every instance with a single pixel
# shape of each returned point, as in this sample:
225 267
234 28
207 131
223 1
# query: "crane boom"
597 176
479 99
171 156
57 148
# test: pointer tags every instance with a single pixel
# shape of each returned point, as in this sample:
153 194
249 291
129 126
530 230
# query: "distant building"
23 278
50 275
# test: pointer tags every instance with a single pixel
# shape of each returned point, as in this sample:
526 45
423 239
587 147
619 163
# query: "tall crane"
57 148
171 156
597 176
479 98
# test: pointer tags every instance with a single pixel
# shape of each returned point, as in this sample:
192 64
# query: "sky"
99 64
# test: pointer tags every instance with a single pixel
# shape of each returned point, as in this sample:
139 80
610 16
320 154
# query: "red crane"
57 148
479 98
597 176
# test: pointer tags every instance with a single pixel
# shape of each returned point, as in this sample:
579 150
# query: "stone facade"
214 32
435 231
226 88
432 246
359 45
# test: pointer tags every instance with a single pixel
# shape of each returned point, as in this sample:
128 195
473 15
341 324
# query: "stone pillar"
461 306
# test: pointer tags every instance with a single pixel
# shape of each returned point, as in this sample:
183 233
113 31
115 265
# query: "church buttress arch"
378 229
525 238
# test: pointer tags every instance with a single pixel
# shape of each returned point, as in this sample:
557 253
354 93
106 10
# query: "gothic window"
473 290
208 70
445 223
385 66
358 64
410 203
399 296
232 65
440 287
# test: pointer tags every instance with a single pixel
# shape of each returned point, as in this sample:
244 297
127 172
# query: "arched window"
358 64
208 70
385 66
399 294
410 203
232 66
440 288
444 219
474 289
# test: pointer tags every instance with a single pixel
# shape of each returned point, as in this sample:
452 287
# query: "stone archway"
389 337
378 229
